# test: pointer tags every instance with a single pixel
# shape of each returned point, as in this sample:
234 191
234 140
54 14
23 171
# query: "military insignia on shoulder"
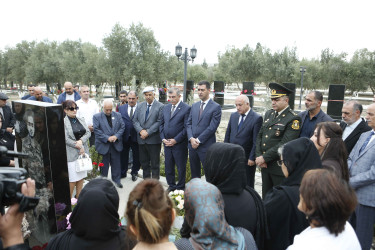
295 124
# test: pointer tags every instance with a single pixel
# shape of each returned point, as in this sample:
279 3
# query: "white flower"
175 192
180 206
182 202
178 198
181 192
170 194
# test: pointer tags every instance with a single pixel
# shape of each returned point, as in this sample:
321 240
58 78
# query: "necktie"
131 113
366 142
147 111
276 114
201 110
241 122
173 108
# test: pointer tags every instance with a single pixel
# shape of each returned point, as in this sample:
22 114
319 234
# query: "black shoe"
134 177
123 176
119 185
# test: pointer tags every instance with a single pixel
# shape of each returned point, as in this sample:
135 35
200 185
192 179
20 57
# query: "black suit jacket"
247 135
352 139
129 128
8 120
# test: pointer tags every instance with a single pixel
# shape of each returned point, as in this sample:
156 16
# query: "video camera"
11 180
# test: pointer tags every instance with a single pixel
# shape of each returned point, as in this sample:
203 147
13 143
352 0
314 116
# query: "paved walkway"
129 185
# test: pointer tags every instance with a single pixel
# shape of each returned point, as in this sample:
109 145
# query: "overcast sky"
211 26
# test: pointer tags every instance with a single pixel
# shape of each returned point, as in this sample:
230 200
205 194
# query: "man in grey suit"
313 114
361 163
146 122
108 129
243 129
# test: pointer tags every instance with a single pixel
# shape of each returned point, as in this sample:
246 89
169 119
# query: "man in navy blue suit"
108 129
174 138
243 128
204 118
130 137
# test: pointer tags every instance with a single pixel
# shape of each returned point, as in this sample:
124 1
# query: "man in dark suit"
362 179
146 122
280 126
8 121
108 129
313 114
127 112
243 128
204 119
173 135
352 125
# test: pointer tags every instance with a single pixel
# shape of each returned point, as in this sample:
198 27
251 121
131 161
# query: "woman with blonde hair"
150 215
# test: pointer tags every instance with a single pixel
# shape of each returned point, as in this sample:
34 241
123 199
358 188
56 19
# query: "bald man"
38 96
69 94
108 129
243 128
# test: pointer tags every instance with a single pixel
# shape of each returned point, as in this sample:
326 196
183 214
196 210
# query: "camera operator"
10 222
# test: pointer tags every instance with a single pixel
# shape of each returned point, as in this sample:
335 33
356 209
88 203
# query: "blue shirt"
309 125
44 99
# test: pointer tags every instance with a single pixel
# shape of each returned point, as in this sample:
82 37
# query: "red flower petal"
101 164
245 90
94 163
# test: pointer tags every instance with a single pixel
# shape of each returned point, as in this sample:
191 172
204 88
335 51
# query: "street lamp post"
186 58
302 70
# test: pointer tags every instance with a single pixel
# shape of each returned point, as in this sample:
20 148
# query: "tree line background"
134 53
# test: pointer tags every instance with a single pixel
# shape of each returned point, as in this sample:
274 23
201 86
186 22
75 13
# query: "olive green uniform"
275 132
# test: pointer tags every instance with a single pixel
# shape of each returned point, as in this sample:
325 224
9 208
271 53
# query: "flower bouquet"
74 203
178 198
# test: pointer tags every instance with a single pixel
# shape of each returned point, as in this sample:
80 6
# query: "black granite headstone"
189 92
248 90
292 97
219 92
40 133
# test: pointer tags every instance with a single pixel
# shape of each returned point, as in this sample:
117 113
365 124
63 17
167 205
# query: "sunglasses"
280 162
72 109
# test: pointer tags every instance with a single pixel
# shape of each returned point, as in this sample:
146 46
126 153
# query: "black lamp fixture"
186 58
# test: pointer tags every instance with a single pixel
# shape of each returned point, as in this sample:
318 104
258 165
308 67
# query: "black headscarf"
94 221
299 156
285 220
224 167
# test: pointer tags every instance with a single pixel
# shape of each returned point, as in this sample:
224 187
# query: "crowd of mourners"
318 174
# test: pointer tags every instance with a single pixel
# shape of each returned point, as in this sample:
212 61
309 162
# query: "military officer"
280 125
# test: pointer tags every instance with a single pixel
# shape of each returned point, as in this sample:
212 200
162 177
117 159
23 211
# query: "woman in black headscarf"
284 219
225 168
94 221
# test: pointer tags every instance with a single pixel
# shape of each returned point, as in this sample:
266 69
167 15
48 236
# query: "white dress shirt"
349 129
87 110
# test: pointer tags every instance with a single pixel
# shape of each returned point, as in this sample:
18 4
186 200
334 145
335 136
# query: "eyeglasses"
72 109
280 162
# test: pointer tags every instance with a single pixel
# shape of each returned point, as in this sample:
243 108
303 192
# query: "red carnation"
245 91
101 164
241 92
94 163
